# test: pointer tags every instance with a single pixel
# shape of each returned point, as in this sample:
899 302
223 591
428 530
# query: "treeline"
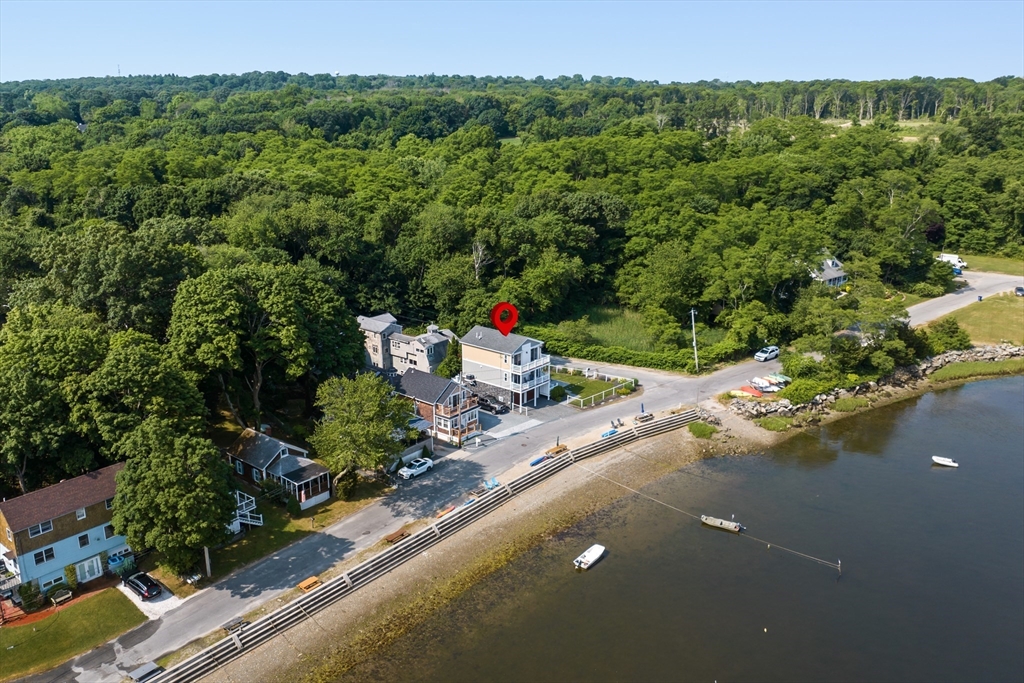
233 226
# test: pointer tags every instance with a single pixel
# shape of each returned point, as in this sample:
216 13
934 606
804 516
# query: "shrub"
557 393
347 484
71 577
803 390
701 430
946 335
292 506
848 405
928 291
774 424
624 390
30 596
273 491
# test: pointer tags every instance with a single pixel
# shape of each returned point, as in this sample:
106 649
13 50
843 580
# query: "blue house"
69 523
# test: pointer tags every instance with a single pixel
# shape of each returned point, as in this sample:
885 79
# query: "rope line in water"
697 517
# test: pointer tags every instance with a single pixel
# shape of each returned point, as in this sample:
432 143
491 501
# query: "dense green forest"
173 246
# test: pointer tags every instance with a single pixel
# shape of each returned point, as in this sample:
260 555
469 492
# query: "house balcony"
532 365
525 386
445 410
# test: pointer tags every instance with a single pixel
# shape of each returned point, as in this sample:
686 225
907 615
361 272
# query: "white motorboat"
589 557
945 462
735 527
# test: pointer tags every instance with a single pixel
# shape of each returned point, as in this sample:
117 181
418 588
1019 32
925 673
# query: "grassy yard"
994 264
994 319
702 430
1014 366
619 327
278 530
850 404
581 387
72 630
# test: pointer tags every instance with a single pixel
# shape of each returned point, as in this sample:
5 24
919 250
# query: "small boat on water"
945 462
589 557
734 527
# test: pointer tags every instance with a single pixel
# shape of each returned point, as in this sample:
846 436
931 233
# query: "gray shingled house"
450 408
256 457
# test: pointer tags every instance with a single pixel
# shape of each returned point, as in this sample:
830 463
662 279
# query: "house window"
517 360
534 353
506 376
10 536
394 345
109 503
239 467
108 531
80 514
52 582
40 529
375 349
83 540
257 475
516 379
430 350
44 555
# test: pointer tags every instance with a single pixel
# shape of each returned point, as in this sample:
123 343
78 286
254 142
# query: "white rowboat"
589 557
735 527
945 462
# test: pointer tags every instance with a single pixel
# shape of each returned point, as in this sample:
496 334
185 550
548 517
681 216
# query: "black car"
487 407
142 585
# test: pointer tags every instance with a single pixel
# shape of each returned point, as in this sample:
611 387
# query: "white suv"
767 353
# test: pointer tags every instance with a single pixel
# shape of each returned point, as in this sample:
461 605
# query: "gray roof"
492 340
258 450
297 469
424 386
376 323
431 338
831 269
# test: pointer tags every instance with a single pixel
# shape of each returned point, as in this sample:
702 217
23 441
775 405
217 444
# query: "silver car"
416 468
767 353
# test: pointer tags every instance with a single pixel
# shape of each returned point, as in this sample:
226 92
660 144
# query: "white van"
953 260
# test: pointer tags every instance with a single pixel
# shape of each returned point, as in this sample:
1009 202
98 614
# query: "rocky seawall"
904 377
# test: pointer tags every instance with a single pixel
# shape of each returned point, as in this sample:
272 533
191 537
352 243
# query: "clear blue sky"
667 41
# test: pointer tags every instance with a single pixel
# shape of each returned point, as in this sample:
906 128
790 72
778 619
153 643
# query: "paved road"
978 284
453 476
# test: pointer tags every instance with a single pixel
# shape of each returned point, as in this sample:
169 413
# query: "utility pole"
693 326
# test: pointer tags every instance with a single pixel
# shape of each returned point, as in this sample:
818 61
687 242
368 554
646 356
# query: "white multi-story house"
514 368
831 273
389 350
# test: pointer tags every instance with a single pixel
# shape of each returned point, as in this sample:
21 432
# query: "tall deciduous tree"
245 321
362 417
174 494
45 352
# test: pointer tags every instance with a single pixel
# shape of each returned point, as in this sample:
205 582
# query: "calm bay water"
933 567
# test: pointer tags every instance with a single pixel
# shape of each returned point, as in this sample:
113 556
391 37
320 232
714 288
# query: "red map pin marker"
504 326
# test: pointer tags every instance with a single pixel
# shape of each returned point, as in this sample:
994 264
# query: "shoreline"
352 632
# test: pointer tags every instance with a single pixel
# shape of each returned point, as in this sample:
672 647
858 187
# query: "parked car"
142 585
487 407
767 353
499 407
416 468
1019 291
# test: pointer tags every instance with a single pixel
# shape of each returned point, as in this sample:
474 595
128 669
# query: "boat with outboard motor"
725 524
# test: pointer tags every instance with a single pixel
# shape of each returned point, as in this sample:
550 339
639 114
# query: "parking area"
514 422
155 608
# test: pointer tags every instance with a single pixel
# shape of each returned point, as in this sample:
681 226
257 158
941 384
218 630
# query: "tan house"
514 368
389 350
450 409
69 523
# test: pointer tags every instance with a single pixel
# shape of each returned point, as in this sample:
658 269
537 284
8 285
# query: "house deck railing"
448 411
533 364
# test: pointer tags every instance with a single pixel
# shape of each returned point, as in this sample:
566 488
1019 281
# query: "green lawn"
993 319
278 530
774 424
619 327
582 387
994 264
74 629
